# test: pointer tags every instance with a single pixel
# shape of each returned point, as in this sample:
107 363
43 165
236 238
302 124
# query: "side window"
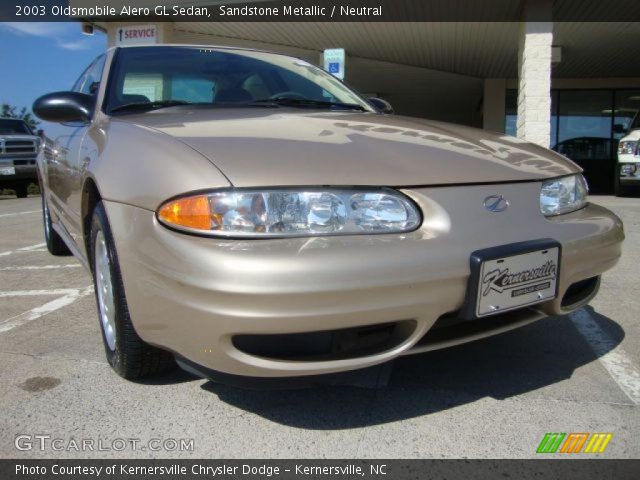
192 89
78 83
293 82
256 86
141 87
89 81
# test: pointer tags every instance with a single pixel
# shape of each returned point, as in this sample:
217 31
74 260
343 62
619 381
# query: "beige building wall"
493 104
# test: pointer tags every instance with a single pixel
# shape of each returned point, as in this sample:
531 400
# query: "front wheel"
22 190
621 190
126 352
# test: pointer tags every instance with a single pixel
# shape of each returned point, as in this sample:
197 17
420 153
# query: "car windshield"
157 77
13 127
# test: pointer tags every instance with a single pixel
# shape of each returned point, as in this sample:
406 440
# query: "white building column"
534 82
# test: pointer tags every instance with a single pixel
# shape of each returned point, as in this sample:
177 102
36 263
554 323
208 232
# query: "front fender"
143 167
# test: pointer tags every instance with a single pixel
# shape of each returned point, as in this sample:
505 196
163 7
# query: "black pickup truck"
18 151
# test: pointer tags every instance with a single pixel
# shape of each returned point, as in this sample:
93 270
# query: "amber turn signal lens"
189 212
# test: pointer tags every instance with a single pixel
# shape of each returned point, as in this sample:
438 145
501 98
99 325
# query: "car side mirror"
64 107
381 105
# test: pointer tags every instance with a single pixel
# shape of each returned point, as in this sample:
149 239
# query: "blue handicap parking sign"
334 67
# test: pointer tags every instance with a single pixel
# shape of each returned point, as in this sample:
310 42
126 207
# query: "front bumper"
24 167
630 179
629 170
198 296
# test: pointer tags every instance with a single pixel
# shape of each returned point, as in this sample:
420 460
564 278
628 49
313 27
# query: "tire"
621 190
55 244
21 190
129 356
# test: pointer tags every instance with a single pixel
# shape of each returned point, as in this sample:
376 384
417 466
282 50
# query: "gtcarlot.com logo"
45 442
574 443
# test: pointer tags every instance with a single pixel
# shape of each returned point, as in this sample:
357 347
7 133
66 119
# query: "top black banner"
321 10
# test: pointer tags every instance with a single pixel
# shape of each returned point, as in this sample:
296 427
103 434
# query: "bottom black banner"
320 469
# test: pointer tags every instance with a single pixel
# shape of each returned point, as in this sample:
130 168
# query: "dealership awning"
445 66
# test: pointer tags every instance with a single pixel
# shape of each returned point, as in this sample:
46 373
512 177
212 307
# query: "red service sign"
140 33
136 34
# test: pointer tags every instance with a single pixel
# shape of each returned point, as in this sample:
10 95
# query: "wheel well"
90 198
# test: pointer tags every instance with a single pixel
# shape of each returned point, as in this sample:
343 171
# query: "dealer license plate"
7 171
516 281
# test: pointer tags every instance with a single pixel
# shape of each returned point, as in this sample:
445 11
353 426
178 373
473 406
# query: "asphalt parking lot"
493 398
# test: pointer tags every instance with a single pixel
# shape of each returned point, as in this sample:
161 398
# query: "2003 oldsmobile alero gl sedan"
249 215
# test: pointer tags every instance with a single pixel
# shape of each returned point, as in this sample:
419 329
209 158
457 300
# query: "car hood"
285 146
632 135
18 136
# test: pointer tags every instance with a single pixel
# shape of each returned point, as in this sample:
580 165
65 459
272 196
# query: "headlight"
628 168
563 195
289 213
627 148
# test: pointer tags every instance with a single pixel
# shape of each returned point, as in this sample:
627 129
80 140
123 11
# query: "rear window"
13 127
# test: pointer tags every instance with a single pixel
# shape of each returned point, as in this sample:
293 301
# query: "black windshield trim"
140 107
149 105
310 102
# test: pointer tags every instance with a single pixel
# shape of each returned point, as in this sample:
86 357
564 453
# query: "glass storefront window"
554 117
511 112
584 114
584 124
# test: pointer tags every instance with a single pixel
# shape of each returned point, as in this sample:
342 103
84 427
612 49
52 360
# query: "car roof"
203 46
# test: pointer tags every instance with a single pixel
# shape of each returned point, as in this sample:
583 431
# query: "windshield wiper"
149 105
306 102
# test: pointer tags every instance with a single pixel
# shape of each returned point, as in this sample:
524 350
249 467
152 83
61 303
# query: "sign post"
334 62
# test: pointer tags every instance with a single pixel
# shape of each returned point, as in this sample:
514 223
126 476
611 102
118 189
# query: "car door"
69 157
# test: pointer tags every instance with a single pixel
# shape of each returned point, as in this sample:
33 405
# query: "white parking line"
39 267
37 293
19 213
614 359
69 295
31 248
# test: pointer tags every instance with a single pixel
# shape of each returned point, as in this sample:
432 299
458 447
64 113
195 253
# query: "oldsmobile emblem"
496 203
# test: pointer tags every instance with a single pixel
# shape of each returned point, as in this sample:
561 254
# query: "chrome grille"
18 146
